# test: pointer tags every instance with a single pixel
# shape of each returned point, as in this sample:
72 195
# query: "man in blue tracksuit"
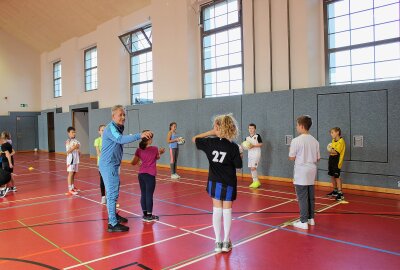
110 161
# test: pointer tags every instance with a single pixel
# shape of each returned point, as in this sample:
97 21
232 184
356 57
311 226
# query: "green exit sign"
22 105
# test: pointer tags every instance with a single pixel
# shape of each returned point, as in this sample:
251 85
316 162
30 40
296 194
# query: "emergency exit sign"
22 105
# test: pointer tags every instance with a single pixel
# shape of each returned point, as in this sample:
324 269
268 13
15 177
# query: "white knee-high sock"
227 213
217 219
254 175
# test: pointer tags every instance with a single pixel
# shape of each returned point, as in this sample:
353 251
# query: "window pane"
387 51
339 24
339 59
338 8
341 74
363 55
378 3
358 5
387 13
339 40
362 72
387 30
361 19
362 35
388 69
222 49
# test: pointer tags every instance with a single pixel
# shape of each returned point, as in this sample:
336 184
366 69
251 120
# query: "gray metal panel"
61 122
333 111
96 118
26 133
375 180
273 115
369 118
42 131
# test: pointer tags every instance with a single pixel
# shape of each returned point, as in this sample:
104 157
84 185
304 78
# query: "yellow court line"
53 244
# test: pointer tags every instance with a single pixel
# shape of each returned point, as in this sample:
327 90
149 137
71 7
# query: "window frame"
350 47
137 53
203 34
91 68
55 79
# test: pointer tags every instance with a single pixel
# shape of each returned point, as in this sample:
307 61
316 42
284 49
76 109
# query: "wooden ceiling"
45 24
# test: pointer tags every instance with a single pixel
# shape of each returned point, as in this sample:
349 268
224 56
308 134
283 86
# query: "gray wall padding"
61 122
9 123
369 116
370 109
333 111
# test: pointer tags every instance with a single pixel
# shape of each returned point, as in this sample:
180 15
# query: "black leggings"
147 186
102 187
173 153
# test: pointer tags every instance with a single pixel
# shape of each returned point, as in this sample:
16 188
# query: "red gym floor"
42 228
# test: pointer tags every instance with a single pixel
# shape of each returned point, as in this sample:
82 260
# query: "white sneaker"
174 176
218 247
300 225
311 222
177 175
103 200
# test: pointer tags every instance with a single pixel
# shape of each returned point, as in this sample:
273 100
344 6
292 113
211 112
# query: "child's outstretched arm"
203 135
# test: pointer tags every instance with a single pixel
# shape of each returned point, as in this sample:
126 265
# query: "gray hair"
116 108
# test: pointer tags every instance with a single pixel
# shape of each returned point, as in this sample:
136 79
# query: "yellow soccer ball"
246 145
329 147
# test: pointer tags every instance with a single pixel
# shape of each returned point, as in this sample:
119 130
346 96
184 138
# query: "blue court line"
264 224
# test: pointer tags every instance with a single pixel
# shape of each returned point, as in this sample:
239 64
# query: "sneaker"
72 192
300 225
4 192
77 189
117 228
218 247
332 194
150 218
177 175
311 222
174 176
103 200
255 184
226 246
121 219
13 189
340 196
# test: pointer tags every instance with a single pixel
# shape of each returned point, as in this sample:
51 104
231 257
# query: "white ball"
246 145
329 147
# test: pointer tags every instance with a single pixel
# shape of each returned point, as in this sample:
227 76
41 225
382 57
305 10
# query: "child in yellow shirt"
336 157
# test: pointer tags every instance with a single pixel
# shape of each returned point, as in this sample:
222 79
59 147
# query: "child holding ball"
224 158
254 154
336 156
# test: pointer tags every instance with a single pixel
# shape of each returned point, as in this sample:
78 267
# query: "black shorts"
333 169
5 177
220 191
7 168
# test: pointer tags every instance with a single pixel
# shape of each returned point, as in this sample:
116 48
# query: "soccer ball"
246 145
329 147
181 140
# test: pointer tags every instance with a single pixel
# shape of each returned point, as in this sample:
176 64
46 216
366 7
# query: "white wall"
19 75
176 52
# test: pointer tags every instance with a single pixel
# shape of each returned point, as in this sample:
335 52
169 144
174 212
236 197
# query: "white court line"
187 232
242 242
